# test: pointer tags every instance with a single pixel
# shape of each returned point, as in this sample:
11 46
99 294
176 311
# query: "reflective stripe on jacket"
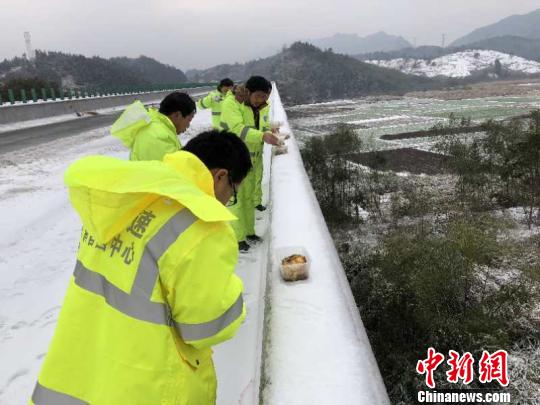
240 120
153 288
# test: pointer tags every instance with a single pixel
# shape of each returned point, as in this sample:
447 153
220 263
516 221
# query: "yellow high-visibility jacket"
148 134
153 289
239 119
213 100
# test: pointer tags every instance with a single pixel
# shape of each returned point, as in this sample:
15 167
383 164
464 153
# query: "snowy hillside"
460 64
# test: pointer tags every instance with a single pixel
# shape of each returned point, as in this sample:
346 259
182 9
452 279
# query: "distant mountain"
518 46
151 70
353 44
526 26
524 47
60 69
475 63
306 74
236 71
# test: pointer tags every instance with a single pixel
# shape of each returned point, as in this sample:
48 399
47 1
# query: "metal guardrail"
23 112
28 95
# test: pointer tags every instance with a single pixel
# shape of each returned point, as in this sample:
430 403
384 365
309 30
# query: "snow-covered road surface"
39 233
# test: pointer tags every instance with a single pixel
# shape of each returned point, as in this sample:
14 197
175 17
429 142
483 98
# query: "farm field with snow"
373 118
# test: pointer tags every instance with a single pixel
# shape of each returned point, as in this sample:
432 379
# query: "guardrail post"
23 95
11 96
53 94
34 94
71 94
44 94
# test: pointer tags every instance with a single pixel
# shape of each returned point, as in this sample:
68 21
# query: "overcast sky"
204 33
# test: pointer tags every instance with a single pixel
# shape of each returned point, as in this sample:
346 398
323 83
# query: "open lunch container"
293 271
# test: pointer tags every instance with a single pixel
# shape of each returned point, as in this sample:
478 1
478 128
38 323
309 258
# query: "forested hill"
526 26
61 69
306 74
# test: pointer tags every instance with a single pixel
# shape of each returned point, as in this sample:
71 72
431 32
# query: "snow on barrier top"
316 348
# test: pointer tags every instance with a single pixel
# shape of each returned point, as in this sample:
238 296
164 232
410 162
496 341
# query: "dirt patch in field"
525 87
402 160
316 111
434 132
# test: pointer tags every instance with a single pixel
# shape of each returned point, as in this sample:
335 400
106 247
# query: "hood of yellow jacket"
109 193
134 118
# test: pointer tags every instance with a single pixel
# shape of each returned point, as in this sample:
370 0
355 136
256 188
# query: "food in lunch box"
294 259
294 268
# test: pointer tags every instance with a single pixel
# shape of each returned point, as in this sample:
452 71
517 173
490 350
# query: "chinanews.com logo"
492 367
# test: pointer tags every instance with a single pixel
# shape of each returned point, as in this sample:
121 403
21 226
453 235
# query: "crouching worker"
151 134
154 285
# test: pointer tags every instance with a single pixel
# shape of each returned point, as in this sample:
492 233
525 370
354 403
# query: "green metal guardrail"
87 92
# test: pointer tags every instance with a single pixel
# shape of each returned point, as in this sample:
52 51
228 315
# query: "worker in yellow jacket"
258 164
214 99
154 285
244 120
150 134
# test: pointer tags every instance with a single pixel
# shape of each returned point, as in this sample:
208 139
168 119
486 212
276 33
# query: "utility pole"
443 40
30 54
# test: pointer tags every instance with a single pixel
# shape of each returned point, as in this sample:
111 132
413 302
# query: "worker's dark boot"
243 246
260 207
254 238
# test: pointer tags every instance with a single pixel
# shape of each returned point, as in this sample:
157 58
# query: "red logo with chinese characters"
461 368
494 367
429 365
491 367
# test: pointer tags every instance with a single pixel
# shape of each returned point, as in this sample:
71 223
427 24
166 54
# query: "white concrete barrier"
316 350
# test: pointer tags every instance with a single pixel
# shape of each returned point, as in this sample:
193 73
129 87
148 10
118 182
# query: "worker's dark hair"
258 83
225 83
221 150
177 101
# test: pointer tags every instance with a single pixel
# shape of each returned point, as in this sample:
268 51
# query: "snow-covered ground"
460 64
38 242
371 120
51 120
